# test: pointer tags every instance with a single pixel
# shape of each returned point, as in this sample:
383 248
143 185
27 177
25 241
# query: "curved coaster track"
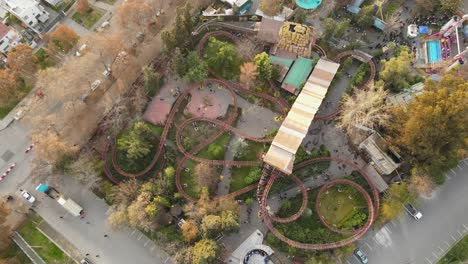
270 175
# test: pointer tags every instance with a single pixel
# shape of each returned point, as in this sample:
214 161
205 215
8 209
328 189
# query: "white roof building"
9 38
28 11
295 126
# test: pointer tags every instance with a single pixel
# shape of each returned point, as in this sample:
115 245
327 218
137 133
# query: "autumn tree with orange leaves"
82 6
8 87
21 60
62 38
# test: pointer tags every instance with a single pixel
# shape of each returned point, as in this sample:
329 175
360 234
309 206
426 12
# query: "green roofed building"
297 75
283 63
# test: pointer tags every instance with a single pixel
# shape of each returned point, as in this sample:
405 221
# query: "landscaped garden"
87 18
43 246
343 206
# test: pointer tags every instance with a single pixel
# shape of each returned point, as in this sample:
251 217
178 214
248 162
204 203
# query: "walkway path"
27 249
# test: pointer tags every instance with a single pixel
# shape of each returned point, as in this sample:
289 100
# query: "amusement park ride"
436 48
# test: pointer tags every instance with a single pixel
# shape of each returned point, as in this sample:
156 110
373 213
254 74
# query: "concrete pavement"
444 222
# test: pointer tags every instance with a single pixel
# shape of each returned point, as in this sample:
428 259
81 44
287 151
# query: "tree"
135 16
125 192
197 69
63 38
215 150
87 167
248 74
366 108
4 229
189 231
222 58
239 147
137 142
432 130
181 33
82 6
329 27
396 72
272 7
264 67
153 81
206 175
21 59
253 176
118 218
169 171
397 195
178 63
211 225
300 15
137 216
366 17
229 221
341 28
8 86
51 148
205 251
421 184
450 7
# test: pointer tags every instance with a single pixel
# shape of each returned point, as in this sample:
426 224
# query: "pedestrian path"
27 249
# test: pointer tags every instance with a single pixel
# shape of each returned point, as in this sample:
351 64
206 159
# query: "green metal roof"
299 72
282 61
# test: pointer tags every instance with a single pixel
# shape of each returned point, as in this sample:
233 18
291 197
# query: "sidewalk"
27 249
59 240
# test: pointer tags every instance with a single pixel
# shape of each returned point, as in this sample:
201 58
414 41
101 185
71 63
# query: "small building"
297 75
9 38
29 12
268 30
53 2
283 63
252 251
382 157
404 98
239 6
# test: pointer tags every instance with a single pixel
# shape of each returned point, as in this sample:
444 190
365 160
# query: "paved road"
405 240
127 246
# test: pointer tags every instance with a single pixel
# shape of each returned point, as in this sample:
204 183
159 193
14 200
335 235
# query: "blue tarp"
423 30
379 24
465 31
42 188
353 9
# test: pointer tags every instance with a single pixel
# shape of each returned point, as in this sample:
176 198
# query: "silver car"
361 256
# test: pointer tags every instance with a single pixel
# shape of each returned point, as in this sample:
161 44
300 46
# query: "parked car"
86 261
361 256
29 197
413 211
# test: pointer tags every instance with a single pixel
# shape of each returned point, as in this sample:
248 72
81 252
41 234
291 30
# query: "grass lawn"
307 228
223 141
188 180
458 254
88 19
43 59
336 206
238 174
13 251
43 246
5 110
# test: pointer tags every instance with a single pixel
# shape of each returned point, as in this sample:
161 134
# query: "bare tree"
8 87
421 184
125 192
135 15
50 147
82 6
365 108
206 175
248 74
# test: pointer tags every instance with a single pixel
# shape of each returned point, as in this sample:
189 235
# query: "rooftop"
4 29
269 30
376 147
295 126
284 65
298 74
